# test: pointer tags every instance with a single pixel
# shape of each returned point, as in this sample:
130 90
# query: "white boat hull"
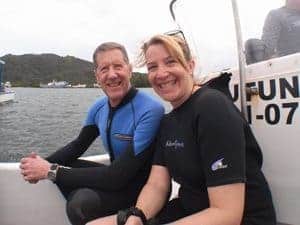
7 96
31 204
275 119
23 203
34 204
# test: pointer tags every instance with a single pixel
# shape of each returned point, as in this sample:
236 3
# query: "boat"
267 93
6 94
79 86
55 84
7 84
266 90
95 85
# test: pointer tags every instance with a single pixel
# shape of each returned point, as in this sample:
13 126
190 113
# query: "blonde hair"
176 47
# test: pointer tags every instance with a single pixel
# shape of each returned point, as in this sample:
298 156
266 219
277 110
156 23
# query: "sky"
77 27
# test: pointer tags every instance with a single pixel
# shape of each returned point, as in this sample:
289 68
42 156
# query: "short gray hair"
107 46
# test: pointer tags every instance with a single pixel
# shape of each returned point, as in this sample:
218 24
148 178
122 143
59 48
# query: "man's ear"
130 70
96 77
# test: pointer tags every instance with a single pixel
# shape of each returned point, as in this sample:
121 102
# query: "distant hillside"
30 70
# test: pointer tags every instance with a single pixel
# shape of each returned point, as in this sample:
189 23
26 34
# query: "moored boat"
55 84
79 86
6 95
7 84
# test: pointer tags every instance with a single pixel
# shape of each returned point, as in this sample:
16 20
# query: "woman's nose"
162 72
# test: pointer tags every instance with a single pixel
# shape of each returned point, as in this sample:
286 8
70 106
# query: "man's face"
113 74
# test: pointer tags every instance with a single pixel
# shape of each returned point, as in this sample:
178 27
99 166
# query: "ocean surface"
42 120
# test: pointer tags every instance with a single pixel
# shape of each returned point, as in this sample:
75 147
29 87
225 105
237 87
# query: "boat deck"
33 204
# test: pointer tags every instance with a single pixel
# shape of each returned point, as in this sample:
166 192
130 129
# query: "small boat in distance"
55 84
95 85
6 95
7 84
79 86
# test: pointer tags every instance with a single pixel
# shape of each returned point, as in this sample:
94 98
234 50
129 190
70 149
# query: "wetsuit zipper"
108 136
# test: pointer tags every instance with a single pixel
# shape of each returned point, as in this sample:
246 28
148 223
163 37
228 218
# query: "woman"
205 145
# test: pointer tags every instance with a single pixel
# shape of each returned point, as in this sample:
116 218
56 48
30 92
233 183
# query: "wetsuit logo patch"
123 137
174 144
218 165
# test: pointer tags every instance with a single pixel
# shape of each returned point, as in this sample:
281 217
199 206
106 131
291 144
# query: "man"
126 120
281 32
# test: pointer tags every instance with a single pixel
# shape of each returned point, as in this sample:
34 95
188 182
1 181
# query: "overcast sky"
77 27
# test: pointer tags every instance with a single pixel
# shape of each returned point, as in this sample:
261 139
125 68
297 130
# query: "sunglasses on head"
177 33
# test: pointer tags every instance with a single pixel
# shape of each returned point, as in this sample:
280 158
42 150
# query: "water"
43 120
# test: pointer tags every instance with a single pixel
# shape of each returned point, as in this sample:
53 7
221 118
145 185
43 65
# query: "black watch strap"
123 215
139 213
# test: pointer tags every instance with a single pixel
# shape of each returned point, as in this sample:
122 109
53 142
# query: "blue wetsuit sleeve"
147 128
76 148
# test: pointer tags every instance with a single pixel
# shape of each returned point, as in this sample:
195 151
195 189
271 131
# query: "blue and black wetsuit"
127 132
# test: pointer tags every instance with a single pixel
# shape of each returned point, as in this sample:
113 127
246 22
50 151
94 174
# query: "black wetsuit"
127 131
205 143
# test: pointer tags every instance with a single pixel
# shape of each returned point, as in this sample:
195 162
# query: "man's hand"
34 168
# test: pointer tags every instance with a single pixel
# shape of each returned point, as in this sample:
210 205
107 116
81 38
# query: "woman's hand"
134 220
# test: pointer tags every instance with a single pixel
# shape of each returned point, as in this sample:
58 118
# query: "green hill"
30 70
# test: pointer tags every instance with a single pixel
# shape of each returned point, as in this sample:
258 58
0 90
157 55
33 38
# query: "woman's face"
169 79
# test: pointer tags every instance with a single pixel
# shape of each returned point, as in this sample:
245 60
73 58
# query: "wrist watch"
51 175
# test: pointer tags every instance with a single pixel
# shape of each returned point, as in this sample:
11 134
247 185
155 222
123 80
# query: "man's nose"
112 73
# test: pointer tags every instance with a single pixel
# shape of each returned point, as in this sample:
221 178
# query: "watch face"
52 172
51 175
